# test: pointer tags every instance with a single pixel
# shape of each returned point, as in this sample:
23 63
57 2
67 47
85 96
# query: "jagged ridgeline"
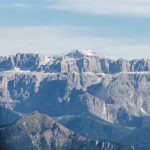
76 61
95 97
38 131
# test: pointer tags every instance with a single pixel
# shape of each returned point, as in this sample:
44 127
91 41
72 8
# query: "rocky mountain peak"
82 53
38 131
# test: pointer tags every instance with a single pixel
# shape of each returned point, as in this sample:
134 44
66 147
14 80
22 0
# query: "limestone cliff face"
113 92
116 98
76 61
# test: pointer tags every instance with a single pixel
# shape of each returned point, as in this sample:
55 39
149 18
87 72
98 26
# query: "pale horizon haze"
116 28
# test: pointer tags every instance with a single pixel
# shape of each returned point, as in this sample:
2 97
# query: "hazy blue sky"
115 28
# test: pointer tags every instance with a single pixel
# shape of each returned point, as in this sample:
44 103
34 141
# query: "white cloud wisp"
107 7
57 40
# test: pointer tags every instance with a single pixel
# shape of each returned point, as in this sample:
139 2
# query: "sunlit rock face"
76 61
114 94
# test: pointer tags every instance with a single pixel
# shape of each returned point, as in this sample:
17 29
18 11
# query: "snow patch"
136 72
143 111
89 52
81 53
44 60
60 100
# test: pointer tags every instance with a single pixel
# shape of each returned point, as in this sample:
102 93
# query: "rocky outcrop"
39 132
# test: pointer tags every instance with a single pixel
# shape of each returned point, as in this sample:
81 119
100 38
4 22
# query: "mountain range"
94 101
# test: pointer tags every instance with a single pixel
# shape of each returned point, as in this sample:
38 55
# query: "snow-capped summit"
89 52
82 53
